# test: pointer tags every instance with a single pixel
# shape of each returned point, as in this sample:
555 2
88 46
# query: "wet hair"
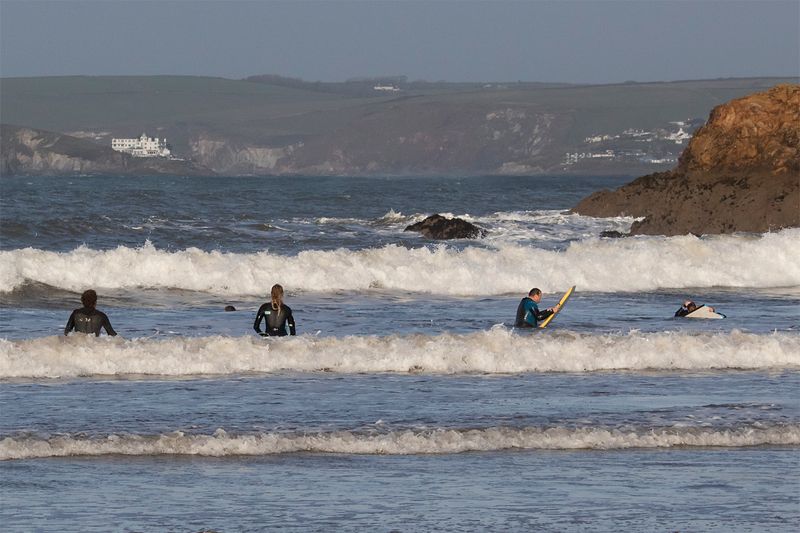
89 298
534 292
691 306
277 297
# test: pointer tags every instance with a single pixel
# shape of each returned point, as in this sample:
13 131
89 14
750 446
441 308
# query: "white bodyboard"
704 312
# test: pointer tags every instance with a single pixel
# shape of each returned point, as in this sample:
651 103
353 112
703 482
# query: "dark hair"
89 298
534 292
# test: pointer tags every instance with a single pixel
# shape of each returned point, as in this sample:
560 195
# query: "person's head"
691 306
535 295
277 296
89 298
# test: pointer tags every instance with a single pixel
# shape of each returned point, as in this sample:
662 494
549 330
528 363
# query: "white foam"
617 265
436 441
495 351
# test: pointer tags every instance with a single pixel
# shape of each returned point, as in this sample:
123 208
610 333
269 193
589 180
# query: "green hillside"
361 128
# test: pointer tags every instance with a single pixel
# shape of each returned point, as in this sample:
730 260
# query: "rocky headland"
29 151
740 172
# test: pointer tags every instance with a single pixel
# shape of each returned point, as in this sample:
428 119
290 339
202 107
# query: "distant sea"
408 401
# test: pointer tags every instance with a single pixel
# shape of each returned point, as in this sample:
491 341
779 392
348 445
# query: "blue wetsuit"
528 314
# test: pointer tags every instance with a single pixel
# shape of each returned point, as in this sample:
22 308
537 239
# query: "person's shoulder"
286 308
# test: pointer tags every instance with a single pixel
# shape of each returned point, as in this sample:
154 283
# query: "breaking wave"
406 442
496 351
603 265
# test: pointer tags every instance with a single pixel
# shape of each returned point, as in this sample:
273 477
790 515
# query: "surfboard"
561 303
704 312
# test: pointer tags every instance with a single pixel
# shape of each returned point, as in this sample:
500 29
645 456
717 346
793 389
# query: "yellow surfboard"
561 303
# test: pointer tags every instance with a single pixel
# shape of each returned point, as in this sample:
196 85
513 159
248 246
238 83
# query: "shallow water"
408 401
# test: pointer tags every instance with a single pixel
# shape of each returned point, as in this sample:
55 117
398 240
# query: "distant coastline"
274 126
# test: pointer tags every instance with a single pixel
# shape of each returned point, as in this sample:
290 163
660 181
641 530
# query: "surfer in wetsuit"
528 313
87 319
689 307
276 314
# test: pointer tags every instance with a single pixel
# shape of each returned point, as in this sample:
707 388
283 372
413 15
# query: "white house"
144 146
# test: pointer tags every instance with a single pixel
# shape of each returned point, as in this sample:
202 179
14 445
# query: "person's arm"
682 311
70 324
107 325
259 318
541 315
290 321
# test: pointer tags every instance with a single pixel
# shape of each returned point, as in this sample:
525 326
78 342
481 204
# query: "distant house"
386 88
144 146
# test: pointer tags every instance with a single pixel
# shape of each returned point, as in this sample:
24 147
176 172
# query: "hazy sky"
593 41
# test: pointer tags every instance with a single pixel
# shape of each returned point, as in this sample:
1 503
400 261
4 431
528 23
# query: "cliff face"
408 138
27 151
740 172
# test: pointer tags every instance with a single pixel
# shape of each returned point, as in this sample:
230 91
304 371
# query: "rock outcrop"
740 172
28 151
439 227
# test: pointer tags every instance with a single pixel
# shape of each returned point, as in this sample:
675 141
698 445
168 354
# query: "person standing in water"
87 319
528 313
276 315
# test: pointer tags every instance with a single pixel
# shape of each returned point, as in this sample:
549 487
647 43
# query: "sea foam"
495 351
604 265
435 441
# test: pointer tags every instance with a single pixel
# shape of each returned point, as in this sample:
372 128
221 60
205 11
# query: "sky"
573 41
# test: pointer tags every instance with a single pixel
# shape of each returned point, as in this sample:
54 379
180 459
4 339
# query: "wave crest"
497 351
602 265
437 441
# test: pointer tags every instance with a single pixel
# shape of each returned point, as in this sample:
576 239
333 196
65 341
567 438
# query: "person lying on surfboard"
528 313
690 307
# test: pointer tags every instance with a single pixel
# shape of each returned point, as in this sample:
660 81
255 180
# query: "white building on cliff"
144 146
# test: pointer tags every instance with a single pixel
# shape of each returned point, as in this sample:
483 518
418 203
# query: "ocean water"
408 402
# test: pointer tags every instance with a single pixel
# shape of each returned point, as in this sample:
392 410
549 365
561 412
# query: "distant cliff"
407 138
27 151
740 172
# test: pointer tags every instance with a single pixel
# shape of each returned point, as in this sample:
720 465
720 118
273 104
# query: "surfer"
687 307
528 313
690 307
87 319
276 315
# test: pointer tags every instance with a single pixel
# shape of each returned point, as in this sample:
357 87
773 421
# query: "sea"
407 401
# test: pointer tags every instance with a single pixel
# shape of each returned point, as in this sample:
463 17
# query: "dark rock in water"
613 234
439 227
230 308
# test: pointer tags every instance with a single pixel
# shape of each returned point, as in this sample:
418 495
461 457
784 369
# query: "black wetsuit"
88 320
275 321
683 311
528 314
